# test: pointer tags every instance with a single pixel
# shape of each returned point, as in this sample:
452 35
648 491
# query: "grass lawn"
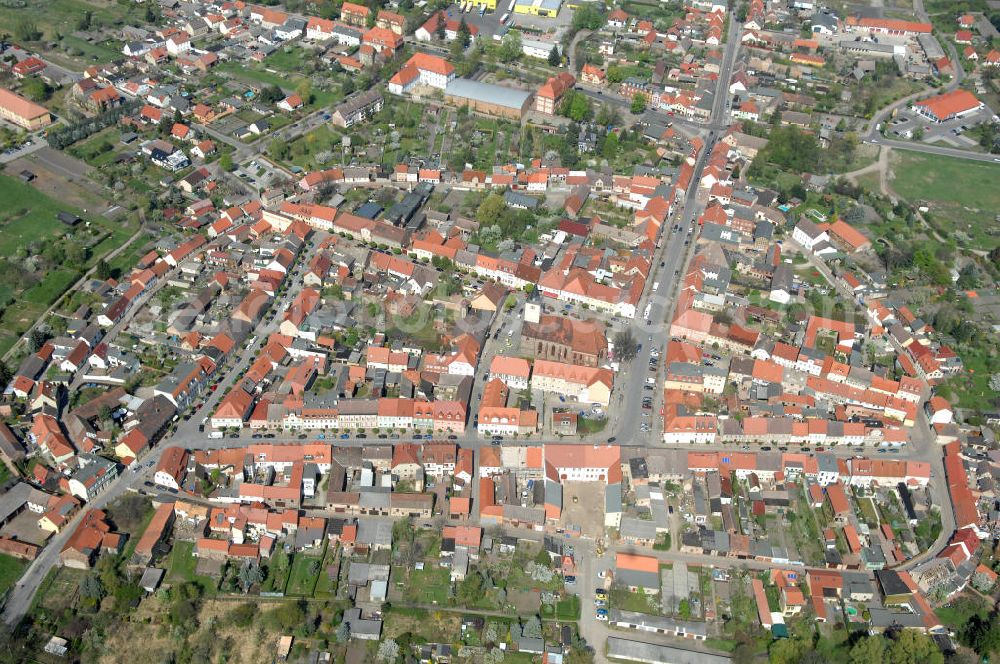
94 51
868 511
428 585
568 608
11 569
587 425
321 139
302 580
290 59
624 600
182 567
255 75
278 570
961 609
971 388
963 195
100 149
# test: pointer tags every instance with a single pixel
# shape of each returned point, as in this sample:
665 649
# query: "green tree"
304 90
626 347
36 89
442 21
617 74
554 58
226 162
786 651
913 647
576 106
608 116
867 650
792 149
6 375
510 47
982 634
92 588
470 589
610 150
287 616
102 270
490 210
271 94
463 35
279 149
27 31
587 17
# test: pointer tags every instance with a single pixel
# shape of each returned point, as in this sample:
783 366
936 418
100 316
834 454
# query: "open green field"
963 195
26 215
62 16
255 75
10 571
29 216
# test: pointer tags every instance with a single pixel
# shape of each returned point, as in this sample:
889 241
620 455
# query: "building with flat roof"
638 651
25 114
548 8
488 99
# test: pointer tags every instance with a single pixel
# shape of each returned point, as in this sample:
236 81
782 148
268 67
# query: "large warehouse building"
27 114
488 99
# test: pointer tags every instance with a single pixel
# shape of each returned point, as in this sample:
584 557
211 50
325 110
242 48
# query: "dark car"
303 436
361 435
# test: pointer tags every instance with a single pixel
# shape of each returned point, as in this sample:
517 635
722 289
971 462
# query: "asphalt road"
932 149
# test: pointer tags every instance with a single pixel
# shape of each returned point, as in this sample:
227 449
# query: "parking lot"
489 23
954 133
